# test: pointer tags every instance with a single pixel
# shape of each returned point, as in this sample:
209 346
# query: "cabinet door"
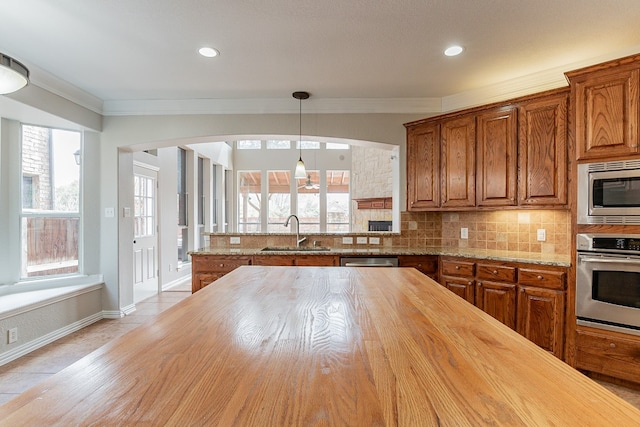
607 114
458 162
498 300
497 158
464 288
543 152
201 280
540 317
423 167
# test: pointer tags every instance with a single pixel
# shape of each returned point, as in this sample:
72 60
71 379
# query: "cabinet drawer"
496 273
424 263
223 264
608 353
458 268
542 278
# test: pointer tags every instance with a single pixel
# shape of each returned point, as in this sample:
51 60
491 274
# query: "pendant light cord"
300 127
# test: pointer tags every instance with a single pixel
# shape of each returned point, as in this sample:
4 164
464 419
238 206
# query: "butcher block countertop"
321 346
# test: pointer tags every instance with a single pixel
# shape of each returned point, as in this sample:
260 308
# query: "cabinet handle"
612 345
457 267
479 283
470 283
540 277
221 265
495 271
419 265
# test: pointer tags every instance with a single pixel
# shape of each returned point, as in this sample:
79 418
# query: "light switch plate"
109 212
542 234
464 233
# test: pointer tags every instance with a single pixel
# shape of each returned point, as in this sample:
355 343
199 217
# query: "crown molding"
272 106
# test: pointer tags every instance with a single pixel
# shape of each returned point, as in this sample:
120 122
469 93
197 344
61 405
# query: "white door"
145 241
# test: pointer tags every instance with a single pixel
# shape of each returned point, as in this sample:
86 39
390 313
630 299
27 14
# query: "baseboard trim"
48 338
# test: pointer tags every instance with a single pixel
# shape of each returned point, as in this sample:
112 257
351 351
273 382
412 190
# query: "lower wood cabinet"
608 353
208 268
426 264
527 298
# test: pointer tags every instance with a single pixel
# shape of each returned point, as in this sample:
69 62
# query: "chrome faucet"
298 239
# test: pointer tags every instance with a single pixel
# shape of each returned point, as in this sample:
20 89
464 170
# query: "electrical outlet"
347 240
374 240
234 240
464 233
12 335
361 240
542 234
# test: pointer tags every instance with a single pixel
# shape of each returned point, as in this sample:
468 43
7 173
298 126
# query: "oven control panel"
608 242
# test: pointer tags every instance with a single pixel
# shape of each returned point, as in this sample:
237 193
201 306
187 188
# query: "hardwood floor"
25 372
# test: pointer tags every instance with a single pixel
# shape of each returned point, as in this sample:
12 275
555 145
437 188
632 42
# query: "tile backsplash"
512 230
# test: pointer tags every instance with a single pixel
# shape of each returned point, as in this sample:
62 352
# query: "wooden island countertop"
333 346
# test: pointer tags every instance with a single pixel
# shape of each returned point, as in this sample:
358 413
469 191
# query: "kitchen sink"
294 249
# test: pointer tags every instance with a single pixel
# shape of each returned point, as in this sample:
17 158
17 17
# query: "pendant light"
300 172
13 75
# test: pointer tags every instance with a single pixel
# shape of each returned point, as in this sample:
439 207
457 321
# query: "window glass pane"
249 144
249 201
201 198
144 206
336 146
278 145
308 145
182 187
338 202
309 202
279 199
50 215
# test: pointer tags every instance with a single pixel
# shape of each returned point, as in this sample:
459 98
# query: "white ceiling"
129 54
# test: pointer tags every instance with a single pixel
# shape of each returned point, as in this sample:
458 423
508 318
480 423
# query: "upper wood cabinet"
423 166
606 109
542 145
458 162
497 157
511 154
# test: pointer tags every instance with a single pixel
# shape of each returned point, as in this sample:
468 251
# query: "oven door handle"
610 260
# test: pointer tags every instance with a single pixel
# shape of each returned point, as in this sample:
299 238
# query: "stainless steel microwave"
609 193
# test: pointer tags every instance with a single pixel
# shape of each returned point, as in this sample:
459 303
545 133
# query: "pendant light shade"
301 172
13 75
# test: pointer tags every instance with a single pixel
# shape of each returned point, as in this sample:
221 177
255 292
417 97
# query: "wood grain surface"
320 346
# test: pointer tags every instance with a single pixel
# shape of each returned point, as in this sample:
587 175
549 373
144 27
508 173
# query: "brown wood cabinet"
459 277
423 166
458 162
505 155
207 268
497 158
606 109
426 264
525 297
542 147
609 353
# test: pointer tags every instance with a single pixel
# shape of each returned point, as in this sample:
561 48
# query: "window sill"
23 297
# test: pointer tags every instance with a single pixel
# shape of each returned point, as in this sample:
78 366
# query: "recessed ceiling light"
453 50
209 52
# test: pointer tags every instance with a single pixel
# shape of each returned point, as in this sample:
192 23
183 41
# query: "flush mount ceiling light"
13 75
300 172
453 50
208 52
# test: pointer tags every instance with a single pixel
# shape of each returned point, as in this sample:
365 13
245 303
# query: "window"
249 145
308 145
249 201
279 205
183 230
338 202
278 145
144 205
201 198
50 214
309 202
336 146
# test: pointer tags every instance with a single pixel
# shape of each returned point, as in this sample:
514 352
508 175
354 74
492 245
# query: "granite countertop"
495 255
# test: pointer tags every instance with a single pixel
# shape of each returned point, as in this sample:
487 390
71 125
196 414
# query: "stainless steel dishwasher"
369 261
